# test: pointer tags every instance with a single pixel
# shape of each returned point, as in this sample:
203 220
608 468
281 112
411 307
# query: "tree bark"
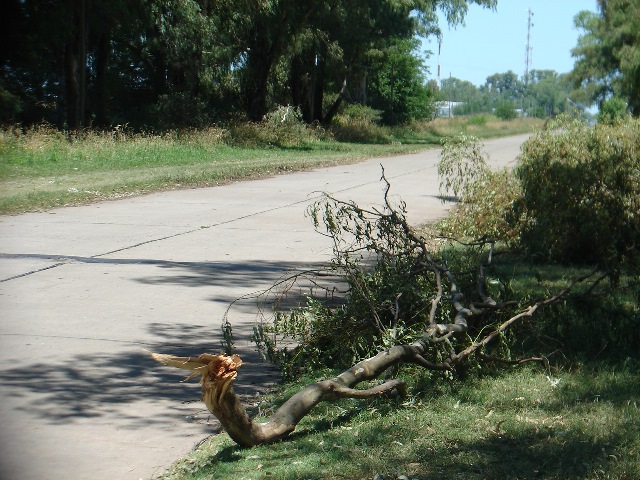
218 372
75 60
102 69
259 65
333 110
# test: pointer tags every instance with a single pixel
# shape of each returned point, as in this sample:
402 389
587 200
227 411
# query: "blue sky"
495 41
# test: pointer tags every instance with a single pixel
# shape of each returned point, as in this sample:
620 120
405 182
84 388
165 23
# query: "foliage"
486 198
608 53
612 110
506 110
397 85
478 120
462 166
395 294
282 127
180 63
544 93
457 90
180 108
389 296
361 124
506 86
580 192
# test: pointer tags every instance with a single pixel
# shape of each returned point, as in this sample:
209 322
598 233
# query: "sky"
495 41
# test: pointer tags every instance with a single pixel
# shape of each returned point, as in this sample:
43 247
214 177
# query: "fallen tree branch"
393 241
217 373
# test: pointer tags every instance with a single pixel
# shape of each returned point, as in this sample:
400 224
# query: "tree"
175 63
612 110
506 110
546 93
457 90
506 86
608 53
397 85
502 91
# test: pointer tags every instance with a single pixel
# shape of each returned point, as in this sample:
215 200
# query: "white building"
445 109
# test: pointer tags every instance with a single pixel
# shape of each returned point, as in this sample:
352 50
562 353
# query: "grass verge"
43 168
571 420
523 423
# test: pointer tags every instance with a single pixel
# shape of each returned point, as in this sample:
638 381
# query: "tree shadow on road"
60 389
92 386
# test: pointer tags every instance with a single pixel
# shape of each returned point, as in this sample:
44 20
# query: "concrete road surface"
84 290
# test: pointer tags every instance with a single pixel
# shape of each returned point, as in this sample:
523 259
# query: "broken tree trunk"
218 372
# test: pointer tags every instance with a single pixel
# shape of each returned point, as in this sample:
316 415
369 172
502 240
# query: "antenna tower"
529 48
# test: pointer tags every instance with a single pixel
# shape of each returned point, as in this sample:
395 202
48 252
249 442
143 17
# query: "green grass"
570 420
524 423
43 168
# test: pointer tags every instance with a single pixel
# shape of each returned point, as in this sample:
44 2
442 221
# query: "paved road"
84 290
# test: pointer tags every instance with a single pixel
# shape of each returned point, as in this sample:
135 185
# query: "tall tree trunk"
102 69
333 110
318 95
75 66
259 65
303 77
72 87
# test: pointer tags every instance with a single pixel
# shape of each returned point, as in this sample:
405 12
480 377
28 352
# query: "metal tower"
529 48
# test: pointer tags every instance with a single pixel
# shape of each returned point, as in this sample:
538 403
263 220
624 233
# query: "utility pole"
439 48
450 85
529 48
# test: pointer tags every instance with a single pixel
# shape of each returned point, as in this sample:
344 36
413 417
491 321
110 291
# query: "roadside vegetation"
570 413
42 167
575 422
561 232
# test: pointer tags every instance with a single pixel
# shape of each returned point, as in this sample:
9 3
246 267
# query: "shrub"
612 111
580 192
486 198
360 124
10 106
478 120
179 110
505 110
282 127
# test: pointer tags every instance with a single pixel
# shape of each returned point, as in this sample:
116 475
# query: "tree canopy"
544 93
160 63
608 53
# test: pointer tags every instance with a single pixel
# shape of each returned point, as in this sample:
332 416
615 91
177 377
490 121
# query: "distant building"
445 109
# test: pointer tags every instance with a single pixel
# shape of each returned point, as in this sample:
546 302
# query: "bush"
180 110
359 124
612 111
580 192
506 110
478 120
10 106
486 198
282 127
